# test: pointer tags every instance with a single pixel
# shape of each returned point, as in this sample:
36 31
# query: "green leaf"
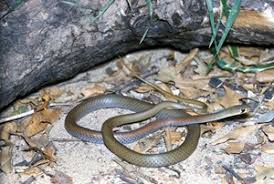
144 36
149 6
245 69
234 51
225 8
230 20
102 10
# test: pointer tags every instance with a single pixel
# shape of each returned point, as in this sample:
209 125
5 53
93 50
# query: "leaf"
182 65
172 137
231 98
191 92
211 19
198 84
6 130
202 68
147 144
144 36
192 88
147 87
265 76
268 148
5 159
39 121
234 147
266 117
93 90
34 171
167 74
230 20
263 173
144 88
269 131
270 105
149 7
234 51
241 132
172 72
60 178
102 10
54 92
49 151
249 52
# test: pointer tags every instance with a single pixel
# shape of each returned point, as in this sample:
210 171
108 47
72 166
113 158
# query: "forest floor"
38 149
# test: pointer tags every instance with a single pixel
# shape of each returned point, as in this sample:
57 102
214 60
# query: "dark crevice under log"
44 42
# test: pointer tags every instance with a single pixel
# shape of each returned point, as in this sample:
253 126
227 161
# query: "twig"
29 180
28 113
134 82
233 173
167 138
180 67
178 173
189 103
18 116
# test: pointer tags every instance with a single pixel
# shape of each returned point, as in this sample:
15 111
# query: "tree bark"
43 42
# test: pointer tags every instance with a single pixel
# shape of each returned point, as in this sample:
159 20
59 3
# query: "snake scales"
144 110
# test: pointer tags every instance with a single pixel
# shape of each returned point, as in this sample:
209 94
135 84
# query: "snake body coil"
143 111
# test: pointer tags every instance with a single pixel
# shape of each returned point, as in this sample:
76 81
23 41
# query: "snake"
166 117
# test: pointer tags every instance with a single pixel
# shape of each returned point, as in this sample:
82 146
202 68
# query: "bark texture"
43 42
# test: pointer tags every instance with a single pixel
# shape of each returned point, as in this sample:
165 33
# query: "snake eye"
243 110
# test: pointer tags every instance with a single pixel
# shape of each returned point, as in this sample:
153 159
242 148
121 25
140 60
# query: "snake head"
245 108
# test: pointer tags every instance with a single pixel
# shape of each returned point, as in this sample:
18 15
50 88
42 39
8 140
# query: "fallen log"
44 42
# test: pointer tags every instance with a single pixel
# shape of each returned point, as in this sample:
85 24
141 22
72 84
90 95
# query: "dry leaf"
265 76
167 138
198 84
270 105
147 87
211 127
54 92
93 90
266 117
190 92
32 171
5 159
6 130
180 67
268 148
39 121
46 98
167 74
234 147
60 178
241 132
165 87
49 151
250 51
248 86
247 62
263 173
137 148
214 107
231 98
175 137
269 131
144 88
192 88
202 68
171 137
148 145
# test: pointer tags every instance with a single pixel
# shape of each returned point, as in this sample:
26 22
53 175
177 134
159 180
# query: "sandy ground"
88 163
